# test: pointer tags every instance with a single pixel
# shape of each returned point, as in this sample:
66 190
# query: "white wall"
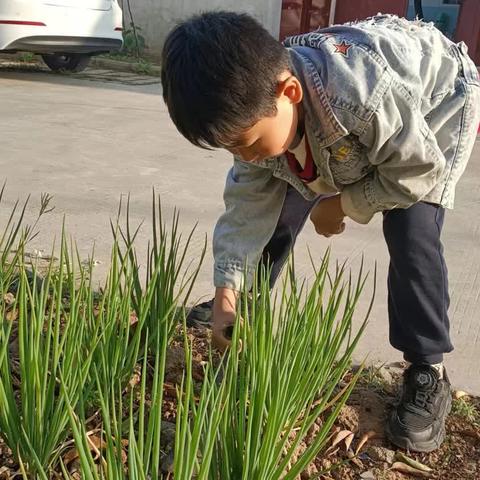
157 17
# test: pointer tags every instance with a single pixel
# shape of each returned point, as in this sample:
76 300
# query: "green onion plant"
282 373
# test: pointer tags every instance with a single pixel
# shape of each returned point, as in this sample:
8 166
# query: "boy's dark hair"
219 76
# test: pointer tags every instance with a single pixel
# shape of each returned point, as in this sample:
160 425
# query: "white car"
66 33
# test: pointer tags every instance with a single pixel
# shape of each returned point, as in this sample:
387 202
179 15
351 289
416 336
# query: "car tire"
69 62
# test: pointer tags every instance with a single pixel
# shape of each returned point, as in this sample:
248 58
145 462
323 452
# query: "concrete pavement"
89 140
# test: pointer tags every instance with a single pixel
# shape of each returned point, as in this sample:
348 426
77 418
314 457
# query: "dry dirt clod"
384 373
175 363
168 461
167 436
458 394
9 299
11 315
381 454
368 475
4 473
349 417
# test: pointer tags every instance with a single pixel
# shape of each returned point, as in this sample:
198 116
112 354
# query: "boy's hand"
224 308
328 217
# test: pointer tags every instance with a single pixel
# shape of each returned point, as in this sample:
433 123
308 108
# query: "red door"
347 11
299 16
468 28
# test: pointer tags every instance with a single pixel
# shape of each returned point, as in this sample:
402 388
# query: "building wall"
157 17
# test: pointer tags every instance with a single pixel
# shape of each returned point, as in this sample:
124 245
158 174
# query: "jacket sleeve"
253 201
405 155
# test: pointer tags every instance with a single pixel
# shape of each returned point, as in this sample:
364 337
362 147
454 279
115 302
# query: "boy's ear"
291 88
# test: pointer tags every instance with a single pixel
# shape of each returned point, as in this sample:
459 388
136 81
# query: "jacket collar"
320 120
321 123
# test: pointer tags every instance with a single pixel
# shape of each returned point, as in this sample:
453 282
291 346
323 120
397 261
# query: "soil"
363 416
365 413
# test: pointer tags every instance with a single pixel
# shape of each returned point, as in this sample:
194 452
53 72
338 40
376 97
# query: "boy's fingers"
339 228
222 336
220 341
330 230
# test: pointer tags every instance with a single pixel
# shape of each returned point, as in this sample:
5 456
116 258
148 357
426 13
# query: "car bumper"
25 25
61 44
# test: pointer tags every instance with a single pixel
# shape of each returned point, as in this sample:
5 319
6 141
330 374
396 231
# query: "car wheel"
69 62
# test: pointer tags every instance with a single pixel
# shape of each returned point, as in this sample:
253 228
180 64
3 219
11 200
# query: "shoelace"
423 400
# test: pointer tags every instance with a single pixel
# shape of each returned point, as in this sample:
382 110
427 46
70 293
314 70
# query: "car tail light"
22 22
119 29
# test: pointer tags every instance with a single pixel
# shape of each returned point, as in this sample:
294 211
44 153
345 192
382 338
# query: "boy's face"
271 136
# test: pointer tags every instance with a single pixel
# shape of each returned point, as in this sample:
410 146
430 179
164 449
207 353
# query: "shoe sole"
197 323
425 447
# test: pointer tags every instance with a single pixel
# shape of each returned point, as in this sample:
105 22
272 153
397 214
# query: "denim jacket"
391 110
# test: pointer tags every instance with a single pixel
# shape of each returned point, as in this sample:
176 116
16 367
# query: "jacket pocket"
348 161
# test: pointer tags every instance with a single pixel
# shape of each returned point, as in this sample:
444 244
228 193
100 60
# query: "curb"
99 62
119 66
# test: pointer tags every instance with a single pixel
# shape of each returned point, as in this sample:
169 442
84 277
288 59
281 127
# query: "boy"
374 117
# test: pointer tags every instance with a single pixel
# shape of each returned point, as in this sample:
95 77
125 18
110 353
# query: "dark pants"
417 278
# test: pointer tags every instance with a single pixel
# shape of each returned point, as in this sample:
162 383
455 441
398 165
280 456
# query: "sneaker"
417 422
201 315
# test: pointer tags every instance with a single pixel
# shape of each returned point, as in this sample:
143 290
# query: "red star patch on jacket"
342 48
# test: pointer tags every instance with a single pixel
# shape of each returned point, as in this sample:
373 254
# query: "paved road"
88 140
